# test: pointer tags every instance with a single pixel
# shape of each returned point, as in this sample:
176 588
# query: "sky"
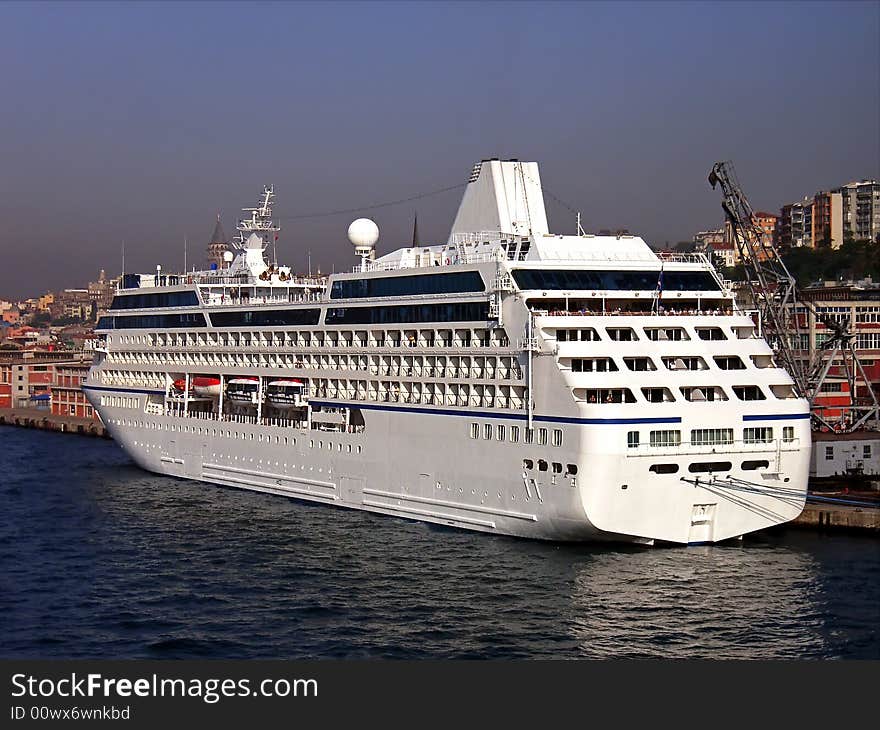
140 122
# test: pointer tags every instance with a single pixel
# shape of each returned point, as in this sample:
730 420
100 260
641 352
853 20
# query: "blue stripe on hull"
490 414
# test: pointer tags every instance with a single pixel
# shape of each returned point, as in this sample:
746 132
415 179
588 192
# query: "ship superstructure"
510 380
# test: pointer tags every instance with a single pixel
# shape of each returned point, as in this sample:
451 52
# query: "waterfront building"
857 307
827 220
796 224
5 384
75 303
68 398
861 210
845 455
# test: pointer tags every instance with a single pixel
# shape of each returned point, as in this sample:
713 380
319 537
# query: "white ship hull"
425 467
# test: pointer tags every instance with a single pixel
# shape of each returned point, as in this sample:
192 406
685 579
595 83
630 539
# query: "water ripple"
100 559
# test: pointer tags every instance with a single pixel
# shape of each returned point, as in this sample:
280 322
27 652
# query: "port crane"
782 315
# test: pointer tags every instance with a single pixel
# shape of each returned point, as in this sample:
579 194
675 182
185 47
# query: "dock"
824 515
46 421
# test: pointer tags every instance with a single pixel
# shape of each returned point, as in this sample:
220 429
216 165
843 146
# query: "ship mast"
260 221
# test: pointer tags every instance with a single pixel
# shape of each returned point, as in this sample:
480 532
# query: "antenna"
260 221
123 257
184 254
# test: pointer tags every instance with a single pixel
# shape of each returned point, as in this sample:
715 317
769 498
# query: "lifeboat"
243 391
180 384
285 394
206 386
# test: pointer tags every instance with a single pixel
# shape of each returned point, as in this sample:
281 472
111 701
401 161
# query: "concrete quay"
839 517
46 421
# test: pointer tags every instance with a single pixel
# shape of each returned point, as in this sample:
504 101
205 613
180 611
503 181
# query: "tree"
40 319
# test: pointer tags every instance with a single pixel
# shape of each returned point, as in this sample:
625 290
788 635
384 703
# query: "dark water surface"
100 559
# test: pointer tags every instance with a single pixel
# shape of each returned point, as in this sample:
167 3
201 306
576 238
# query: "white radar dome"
227 256
363 233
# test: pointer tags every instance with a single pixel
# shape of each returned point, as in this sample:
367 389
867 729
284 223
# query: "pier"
47 421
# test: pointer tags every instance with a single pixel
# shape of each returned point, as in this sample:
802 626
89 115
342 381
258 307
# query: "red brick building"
68 398
5 385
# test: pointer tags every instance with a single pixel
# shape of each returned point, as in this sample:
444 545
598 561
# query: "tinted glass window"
411 313
155 299
397 286
157 321
644 280
265 318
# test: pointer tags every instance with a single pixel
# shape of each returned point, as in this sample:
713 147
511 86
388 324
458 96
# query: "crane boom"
774 293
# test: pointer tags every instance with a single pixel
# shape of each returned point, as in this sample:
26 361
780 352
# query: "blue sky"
142 121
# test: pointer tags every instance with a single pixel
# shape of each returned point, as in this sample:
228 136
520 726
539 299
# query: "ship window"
542 437
711 436
710 333
586 334
158 321
632 439
155 299
703 393
542 465
514 434
622 334
758 435
557 467
685 363
664 468
866 451
755 465
788 434
265 318
475 430
829 453
748 392
608 395
703 467
528 464
410 313
593 365
499 432
557 437
399 286
657 395
487 431
571 469
666 438
568 279
666 333
639 364
530 436
730 362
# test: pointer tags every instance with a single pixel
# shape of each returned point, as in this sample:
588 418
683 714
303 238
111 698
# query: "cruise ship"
510 381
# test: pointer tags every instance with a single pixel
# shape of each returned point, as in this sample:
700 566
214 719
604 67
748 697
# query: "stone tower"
217 247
